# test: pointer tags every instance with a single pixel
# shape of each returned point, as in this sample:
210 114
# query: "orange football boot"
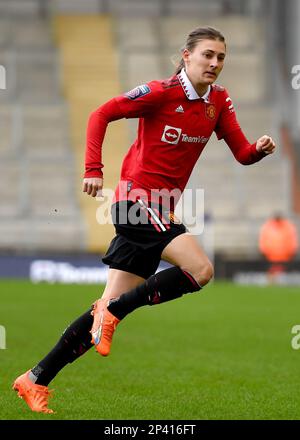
103 328
36 396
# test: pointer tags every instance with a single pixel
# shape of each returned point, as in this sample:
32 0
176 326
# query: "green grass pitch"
224 353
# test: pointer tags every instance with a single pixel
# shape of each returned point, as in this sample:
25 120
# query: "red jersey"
175 124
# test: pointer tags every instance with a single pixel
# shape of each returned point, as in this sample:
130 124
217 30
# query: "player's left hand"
265 144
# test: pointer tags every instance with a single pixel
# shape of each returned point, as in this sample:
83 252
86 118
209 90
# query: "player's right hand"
93 186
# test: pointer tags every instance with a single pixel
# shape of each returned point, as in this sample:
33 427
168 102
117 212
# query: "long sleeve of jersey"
243 151
134 104
229 129
97 124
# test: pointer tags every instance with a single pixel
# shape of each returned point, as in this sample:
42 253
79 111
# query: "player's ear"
185 55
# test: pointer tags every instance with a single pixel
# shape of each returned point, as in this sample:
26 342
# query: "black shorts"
143 231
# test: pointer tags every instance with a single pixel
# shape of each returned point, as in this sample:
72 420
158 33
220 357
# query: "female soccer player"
177 116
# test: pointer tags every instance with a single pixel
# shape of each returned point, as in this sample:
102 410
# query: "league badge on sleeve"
138 91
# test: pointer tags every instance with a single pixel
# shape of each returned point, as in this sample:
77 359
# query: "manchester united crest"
173 218
210 111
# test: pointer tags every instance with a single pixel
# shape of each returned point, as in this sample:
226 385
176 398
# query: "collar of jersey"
188 88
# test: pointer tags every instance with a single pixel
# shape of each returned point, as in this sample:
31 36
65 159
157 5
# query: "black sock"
161 287
74 342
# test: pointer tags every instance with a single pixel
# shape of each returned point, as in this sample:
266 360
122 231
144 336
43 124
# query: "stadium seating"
6 129
39 208
46 142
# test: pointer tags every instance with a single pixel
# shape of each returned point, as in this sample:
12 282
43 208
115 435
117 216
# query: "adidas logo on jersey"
179 109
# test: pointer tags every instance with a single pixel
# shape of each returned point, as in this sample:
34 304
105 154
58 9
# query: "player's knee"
203 272
207 274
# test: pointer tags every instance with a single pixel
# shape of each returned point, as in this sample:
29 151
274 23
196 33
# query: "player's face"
204 64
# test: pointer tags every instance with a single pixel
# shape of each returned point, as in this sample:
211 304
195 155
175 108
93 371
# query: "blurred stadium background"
63 58
225 353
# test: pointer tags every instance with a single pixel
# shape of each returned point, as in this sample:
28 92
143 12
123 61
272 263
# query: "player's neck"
200 88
